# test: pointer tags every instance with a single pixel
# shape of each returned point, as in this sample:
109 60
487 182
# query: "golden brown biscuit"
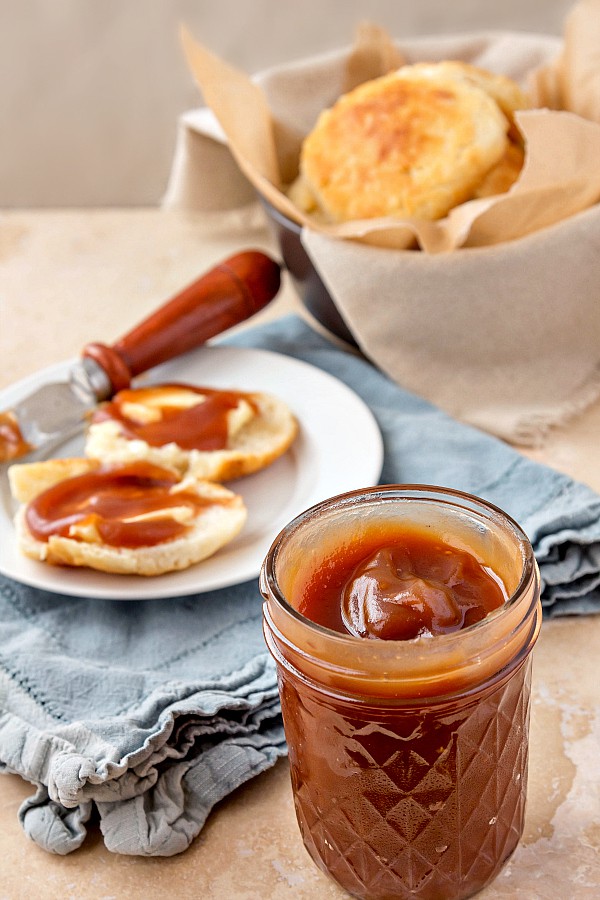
134 519
170 425
414 143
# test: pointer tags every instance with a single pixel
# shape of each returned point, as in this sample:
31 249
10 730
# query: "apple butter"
400 585
12 443
401 619
126 505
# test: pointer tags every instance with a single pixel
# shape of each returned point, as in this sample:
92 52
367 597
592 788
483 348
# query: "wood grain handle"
226 295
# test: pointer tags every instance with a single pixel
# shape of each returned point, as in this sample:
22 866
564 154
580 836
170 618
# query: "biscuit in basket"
135 519
413 143
215 434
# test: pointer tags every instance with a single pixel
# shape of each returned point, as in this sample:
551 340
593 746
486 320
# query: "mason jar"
408 757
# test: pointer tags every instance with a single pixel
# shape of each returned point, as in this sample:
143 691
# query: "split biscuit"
132 520
259 429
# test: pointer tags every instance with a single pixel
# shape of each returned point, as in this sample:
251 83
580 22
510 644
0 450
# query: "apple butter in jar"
401 619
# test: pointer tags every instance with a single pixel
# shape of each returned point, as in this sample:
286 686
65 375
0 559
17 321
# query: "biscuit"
134 520
260 428
414 143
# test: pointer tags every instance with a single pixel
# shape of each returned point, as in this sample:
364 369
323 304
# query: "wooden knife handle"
226 295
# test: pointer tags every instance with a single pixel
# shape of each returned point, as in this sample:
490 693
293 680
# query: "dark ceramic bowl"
313 293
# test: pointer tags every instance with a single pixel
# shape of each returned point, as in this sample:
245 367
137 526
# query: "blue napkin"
153 711
423 445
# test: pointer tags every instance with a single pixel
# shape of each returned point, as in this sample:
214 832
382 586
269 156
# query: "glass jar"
408 758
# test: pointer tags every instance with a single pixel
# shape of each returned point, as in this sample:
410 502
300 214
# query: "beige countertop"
69 277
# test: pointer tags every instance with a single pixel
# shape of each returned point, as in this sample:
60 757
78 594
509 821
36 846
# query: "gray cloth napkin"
153 711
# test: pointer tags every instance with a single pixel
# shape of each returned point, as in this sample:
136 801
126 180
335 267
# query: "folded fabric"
152 711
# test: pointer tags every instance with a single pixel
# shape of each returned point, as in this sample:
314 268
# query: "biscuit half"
261 431
219 517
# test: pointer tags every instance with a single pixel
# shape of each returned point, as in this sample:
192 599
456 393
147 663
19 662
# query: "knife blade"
228 294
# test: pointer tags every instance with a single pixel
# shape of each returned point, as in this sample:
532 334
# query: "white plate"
339 448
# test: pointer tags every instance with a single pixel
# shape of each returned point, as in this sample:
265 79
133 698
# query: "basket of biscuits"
436 203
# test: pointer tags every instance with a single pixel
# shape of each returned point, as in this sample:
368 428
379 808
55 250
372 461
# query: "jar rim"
428 492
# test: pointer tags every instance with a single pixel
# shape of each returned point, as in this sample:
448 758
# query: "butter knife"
225 296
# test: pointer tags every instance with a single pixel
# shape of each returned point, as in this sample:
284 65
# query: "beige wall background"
91 89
